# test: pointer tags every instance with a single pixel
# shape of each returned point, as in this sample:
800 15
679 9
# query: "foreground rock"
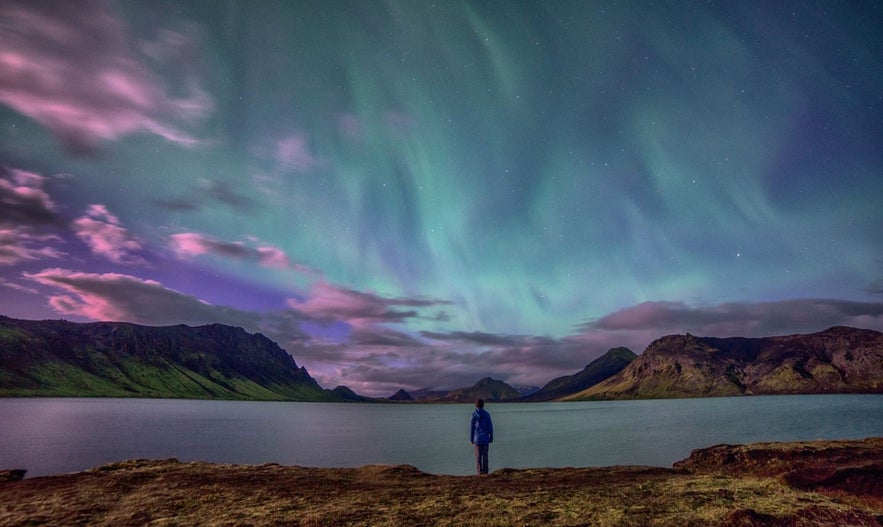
792 484
12 474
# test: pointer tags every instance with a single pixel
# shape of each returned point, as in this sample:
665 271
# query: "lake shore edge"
794 483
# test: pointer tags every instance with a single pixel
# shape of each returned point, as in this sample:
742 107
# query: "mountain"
345 393
526 390
837 360
487 389
427 394
596 371
115 359
401 395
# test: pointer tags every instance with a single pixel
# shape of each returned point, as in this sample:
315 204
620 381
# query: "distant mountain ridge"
491 390
488 389
837 360
116 359
596 371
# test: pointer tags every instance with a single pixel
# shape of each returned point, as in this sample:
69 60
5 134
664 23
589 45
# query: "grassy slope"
35 366
55 379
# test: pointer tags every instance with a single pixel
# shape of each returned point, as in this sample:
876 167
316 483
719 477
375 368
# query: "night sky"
408 194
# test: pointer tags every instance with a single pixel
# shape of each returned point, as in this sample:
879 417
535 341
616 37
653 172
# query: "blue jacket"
481 431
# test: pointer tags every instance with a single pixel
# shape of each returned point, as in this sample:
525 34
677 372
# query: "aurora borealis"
417 195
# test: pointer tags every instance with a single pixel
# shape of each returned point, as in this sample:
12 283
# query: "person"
481 434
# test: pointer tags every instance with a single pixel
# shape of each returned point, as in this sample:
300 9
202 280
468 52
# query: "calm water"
49 436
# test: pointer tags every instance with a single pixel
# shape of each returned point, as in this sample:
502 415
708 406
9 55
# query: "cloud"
105 236
18 245
121 297
638 326
192 244
24 201
480 338
224 193
209 192
293 153
26 214
742 319
330 303
17 287
73 67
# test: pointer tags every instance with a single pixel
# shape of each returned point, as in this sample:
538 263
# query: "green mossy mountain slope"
114 359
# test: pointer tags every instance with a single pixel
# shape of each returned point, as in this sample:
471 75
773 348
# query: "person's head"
479 403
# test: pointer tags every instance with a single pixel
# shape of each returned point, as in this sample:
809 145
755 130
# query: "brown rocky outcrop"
837 360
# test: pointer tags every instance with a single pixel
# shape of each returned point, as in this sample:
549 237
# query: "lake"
50 436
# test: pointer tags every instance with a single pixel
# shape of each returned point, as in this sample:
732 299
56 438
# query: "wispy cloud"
192 244
637 326
18 245
121 297
210 192
27 218
17 287
25 203
73 67
293 153
327 302
127 298
106 237
742 319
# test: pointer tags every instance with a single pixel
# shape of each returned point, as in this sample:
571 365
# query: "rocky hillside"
113 359
837 360
596 371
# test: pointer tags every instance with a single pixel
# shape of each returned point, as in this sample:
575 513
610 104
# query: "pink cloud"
18 245
330 303
24 201
192 244
26 213
270 256
72 67
17 287
126 298
104 235
293 153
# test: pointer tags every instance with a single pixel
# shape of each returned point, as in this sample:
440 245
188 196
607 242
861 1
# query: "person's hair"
479 403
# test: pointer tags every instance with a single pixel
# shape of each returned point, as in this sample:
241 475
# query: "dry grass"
167 493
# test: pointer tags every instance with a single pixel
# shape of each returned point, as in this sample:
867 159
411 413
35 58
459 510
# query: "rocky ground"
790 484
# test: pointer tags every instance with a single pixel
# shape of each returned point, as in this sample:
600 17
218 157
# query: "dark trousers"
481 458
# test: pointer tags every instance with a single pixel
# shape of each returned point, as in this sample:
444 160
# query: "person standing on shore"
481 434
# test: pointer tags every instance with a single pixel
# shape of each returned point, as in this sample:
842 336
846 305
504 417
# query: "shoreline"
797 483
